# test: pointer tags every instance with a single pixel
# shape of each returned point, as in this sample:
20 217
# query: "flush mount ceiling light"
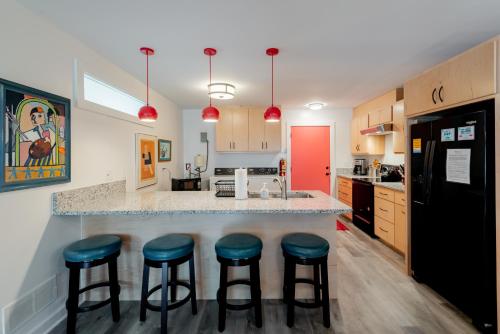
221 91
210 114
273 113
315 105
147 113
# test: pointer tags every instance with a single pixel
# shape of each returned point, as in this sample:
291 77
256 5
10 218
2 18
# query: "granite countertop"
188 202
398 186
352 176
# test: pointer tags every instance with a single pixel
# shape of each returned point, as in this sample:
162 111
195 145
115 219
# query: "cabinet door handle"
262 145
381 193
439 93
384 210
433 96
266 145
380 228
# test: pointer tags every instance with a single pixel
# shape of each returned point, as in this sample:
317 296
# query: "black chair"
168 252
306 249
237 250
84 254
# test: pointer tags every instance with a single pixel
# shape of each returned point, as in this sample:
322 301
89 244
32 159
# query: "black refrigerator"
453 208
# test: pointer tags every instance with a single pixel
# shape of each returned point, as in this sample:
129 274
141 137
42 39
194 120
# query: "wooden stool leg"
164 297
114 289
221 294
326 295
256 293
173 282
192 284
72 302
317 287
290 316
144 293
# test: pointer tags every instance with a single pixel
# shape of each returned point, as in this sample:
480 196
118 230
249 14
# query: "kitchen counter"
398 186
138 217
352 176
193 202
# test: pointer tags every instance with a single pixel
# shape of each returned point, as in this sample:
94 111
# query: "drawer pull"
382 209
381 193
380 228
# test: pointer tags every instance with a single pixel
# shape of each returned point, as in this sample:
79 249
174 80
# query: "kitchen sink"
291 194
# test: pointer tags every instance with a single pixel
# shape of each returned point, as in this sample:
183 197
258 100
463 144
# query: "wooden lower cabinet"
384 230
400 231
344 193
390 217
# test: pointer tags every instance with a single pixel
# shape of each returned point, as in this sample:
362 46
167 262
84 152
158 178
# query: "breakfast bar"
142 216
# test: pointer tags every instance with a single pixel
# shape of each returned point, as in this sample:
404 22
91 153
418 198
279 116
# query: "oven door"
362 205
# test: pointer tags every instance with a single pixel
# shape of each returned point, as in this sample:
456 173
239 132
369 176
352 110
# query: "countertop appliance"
362 204
360 167
390 173
453 208
192 184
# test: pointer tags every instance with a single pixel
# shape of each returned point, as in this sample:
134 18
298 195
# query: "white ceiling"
341 52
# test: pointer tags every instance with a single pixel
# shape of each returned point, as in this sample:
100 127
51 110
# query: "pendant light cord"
210 76
272 81
147 78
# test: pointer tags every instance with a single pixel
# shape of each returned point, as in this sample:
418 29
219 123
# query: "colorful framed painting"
145 152
35 141
164 150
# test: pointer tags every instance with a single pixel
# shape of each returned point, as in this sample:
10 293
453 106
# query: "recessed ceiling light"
315 105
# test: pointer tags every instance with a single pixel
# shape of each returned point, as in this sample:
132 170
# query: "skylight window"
111 97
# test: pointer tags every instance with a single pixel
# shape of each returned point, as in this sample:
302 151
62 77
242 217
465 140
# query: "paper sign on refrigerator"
458 165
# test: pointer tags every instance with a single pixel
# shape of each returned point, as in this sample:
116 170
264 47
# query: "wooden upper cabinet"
243 129
231 131
224 131
263 136
360 144
380 108
399 127
468 76
240 130
257 129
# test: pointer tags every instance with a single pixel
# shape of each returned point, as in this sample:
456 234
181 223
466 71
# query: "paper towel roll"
240 183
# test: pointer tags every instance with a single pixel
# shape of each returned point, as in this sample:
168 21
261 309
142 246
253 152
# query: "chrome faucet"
282 184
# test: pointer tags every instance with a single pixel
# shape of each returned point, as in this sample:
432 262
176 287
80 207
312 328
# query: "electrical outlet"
188 166
204 137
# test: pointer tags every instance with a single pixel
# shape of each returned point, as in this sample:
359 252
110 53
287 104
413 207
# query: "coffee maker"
360 167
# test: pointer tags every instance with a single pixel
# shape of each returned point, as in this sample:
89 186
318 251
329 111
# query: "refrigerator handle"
425 171
429 173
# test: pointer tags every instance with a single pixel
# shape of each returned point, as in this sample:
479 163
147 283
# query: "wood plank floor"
374 297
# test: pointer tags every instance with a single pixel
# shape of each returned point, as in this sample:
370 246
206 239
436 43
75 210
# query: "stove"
251 171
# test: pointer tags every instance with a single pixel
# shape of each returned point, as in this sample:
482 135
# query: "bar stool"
168 252
306 249
84 254
238 250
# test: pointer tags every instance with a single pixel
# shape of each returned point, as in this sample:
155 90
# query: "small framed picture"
164 150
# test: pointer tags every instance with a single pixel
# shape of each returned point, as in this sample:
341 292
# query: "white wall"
37 54
193 125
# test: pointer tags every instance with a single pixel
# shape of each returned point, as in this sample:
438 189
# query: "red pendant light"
210 113
273 113
147 113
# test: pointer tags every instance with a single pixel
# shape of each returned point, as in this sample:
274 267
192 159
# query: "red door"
310 165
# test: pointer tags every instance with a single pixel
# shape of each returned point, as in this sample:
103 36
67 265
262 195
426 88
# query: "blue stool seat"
168 247
238 246
92 248
305 245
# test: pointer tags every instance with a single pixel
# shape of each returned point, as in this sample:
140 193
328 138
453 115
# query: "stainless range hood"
380 130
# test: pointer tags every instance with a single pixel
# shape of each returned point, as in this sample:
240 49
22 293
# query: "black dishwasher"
362 205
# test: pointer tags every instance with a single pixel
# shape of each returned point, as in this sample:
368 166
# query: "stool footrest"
83 309
174 305
298 303
240 307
